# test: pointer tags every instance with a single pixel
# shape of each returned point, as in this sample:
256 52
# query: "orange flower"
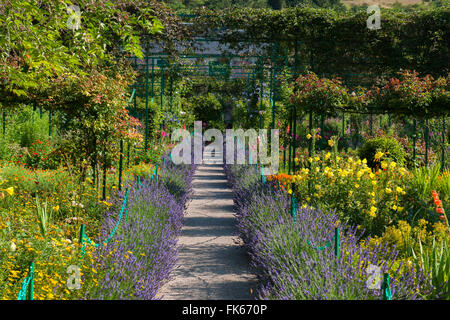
435 195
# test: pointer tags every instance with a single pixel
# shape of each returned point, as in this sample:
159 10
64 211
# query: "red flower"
440 210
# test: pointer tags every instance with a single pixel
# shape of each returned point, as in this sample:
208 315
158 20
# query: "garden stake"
293 204
30 292
386 290
27 290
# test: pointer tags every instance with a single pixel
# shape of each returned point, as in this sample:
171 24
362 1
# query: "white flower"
76 204
13 246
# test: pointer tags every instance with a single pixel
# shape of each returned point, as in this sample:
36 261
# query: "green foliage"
37 48
340 42
391 147
435 260
43 215
208 109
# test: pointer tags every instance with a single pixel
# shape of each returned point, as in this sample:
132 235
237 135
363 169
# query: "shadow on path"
212 265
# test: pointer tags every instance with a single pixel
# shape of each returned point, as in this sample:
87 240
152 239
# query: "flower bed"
296 260
137 262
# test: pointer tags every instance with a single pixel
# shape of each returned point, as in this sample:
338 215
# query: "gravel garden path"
212 263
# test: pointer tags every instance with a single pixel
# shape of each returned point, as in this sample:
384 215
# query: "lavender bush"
286 257
142 253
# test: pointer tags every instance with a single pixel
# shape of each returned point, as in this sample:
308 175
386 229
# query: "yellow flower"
56 208
399 190
400 209
356 185
364 161
327 156
392 165
10 191
394 207
308 136
388 190
384 165
378 156
290 191
373 211
331 143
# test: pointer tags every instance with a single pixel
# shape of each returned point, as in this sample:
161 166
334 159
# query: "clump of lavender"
141 255
286 254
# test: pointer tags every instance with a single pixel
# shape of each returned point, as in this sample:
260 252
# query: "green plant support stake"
81 234
386 289
30 293
82 239
293 206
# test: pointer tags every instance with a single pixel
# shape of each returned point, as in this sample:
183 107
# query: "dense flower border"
143 253
285 256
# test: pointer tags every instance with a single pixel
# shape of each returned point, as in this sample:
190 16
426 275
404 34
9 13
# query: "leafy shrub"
391 147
